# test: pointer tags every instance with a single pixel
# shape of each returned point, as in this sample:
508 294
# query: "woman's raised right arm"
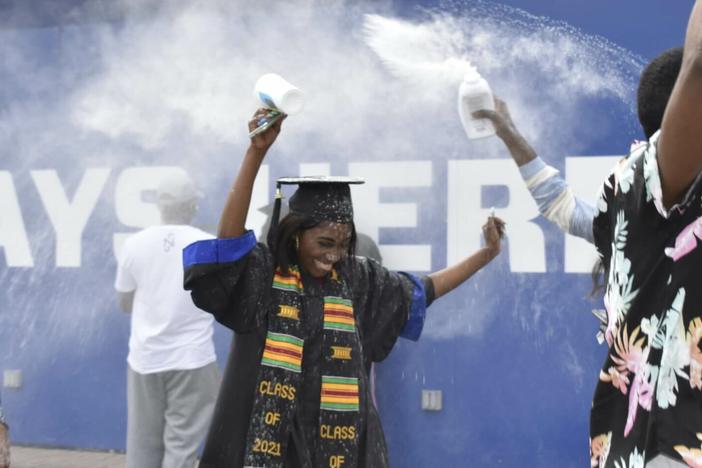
213 268
232 222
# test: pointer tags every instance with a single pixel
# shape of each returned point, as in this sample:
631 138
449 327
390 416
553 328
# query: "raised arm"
232 222
447 279
553 196
520 149
680 145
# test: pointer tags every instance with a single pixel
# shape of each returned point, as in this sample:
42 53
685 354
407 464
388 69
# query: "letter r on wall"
466 213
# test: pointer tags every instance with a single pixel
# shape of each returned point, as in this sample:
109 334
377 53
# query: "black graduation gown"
238 294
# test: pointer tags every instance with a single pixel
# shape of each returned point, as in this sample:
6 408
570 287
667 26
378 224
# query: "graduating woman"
309 318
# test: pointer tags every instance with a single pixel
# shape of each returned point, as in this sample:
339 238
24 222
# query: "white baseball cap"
177 187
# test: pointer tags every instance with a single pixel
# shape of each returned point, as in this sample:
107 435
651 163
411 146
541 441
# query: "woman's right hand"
265 139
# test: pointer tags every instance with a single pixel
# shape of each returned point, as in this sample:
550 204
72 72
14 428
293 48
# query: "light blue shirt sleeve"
546 193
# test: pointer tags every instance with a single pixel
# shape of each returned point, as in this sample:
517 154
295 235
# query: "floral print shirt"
648 400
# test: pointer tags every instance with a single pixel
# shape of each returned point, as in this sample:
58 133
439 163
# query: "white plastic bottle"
276 93
475 94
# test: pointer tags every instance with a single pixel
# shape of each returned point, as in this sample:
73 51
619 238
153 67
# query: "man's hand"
520 150
493 232
265 139
499 117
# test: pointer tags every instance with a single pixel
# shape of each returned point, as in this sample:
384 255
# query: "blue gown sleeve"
228 278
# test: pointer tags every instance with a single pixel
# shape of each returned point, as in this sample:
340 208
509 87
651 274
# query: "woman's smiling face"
322 246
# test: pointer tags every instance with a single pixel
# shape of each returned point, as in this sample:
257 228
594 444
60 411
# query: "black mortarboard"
323 198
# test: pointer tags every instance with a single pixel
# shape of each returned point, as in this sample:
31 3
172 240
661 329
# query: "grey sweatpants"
661 461
168 414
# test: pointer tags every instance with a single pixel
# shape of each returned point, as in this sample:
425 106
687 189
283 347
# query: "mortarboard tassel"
273 230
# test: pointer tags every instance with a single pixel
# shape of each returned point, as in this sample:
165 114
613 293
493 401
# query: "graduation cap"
323 198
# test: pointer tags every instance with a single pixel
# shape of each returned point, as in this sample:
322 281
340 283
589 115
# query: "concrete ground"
33 457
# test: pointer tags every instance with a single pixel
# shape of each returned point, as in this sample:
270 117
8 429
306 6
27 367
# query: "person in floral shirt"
647 408
648 403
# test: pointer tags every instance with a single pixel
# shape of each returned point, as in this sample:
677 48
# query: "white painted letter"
69 217
466 217
260 197
373 215
13 235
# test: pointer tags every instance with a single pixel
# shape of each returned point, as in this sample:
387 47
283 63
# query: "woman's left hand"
493 232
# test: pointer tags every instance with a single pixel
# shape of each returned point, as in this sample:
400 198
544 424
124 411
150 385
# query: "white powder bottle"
475 94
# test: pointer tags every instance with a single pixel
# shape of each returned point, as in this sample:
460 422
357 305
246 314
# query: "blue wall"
89 95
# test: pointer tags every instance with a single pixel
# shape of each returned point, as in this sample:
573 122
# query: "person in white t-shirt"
173 377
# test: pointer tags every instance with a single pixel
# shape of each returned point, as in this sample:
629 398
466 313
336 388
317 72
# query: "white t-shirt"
168 332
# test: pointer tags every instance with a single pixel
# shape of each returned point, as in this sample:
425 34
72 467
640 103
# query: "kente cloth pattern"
234 279
279 378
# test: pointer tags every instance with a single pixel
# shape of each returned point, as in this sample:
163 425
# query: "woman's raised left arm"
449 278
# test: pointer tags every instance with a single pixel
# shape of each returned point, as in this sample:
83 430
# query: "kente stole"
280 377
